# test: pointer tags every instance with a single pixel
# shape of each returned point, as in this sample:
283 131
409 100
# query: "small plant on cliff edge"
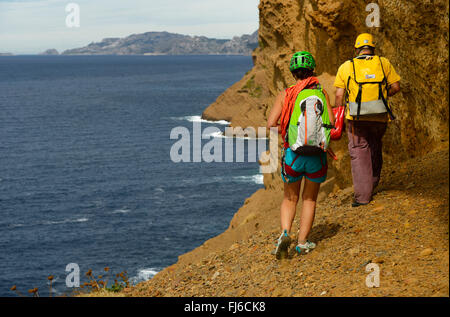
119 285
14 289
98 284
93 285
50 278
252 89
261 44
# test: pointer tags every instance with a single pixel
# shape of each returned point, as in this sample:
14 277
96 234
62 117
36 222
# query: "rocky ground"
404 230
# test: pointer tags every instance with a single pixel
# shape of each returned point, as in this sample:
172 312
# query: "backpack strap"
359 95
348 90
385 100
328 126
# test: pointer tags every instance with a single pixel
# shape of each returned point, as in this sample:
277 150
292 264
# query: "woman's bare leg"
289 204
309 196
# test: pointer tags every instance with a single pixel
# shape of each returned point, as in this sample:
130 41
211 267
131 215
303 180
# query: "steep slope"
404 231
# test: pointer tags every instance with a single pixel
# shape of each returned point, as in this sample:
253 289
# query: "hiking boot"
305 248
284 241
357 204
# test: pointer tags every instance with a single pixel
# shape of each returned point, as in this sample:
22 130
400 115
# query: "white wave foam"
65 221
257 179
216 135
121 211
223 136
144 275
199 119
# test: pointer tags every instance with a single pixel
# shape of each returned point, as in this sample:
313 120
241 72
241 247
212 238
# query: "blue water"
85 169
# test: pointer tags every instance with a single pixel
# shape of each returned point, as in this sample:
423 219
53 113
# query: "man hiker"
306 120
367 80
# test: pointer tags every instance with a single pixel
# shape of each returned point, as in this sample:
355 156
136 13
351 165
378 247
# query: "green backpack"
309 126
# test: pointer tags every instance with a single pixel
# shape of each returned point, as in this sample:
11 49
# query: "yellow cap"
364 39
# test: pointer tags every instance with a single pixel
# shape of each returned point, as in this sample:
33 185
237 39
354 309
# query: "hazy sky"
32 26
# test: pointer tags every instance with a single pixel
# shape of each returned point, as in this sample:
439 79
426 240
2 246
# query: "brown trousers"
365 148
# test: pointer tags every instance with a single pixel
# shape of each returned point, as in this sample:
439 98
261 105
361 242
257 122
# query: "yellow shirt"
346 70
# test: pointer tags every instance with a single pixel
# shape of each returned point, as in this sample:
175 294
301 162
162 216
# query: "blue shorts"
296 166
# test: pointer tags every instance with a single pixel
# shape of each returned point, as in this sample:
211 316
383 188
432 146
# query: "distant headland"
165 43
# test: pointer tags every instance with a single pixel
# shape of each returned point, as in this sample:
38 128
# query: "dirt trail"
404 230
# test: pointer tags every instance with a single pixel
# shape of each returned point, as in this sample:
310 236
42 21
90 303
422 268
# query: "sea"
87 179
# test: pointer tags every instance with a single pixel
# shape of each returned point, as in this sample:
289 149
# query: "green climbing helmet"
302 59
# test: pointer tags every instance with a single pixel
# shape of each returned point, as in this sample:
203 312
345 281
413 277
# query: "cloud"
32 26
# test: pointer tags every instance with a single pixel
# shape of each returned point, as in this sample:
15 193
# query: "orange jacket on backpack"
289 101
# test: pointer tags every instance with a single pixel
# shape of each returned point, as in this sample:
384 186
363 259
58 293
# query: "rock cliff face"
164 43
413 35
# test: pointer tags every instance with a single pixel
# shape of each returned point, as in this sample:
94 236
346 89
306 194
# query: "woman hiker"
296 167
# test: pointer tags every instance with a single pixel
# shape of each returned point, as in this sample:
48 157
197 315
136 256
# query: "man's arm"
339 100
392 77
394 88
